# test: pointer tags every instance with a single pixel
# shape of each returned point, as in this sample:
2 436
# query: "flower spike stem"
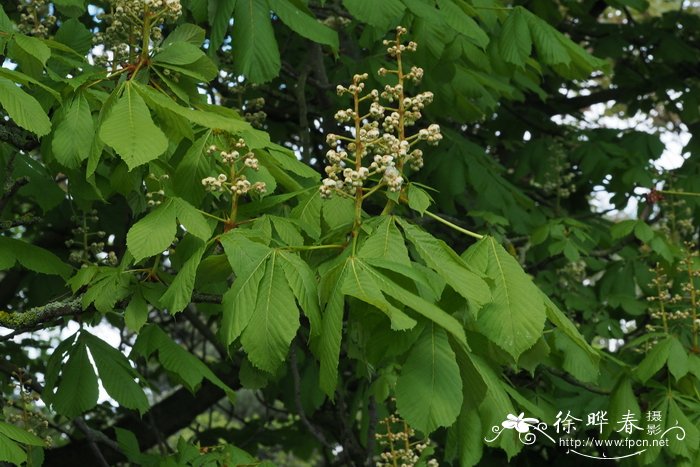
454 226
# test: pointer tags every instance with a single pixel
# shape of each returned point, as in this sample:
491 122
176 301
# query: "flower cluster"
127 24
237 158
35 18
380 130
398 447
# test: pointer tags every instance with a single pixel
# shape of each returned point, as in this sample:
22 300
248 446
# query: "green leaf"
299 18
187 32
74 129
418 199
622 229
20 435
359 283
154 233
429 390
75 35
385 242
195 166
274 322
421 306
23 108
179 293
136 313
179 53
678 359
204 118
130 130
382 14
308 212
654 360
302 282
548 41
12 452
108 286
78 391
255 53
176 359
453 269
328 348
34 47
514 319
31 257
577 363
248 260
116 374
220 12
643 232
458 20
564 324
514 42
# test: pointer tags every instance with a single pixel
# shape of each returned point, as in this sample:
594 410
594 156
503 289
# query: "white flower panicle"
380 134
126 25
236 182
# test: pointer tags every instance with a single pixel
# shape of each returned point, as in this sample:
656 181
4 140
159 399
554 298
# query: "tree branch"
30 319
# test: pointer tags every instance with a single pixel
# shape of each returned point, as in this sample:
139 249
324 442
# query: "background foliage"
263 323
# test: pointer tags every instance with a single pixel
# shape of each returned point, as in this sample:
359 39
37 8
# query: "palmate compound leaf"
261 305
247 258
438 256
514 319
154 233
176 359
31 257
429 390
130 130
116 374
78 390
275 320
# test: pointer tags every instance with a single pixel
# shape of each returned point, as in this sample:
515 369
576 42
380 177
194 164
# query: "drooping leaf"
78 389
302 282
179 293
514 43
23 108
328 347
176 359
296 15
453 269
429 390
31 257
219 12
153 233
385 242
72 133
274 322
378 14
130 130
255 52
116 374
514 319
247 258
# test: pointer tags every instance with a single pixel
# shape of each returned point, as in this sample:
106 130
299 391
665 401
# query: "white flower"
520 423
